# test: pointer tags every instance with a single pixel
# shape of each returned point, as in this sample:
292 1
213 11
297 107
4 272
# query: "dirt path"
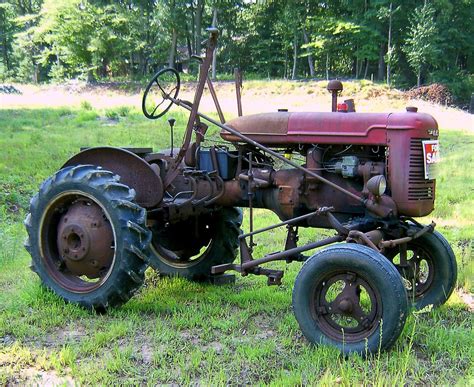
257 96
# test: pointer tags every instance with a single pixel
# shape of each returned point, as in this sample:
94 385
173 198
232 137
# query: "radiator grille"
418 187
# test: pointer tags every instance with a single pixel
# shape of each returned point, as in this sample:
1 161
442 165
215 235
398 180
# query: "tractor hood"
282 128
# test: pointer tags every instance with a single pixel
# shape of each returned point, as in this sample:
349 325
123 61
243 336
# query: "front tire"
86 237
431 271
350 297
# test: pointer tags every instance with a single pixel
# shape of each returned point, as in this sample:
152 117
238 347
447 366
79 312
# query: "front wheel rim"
346 306
418 274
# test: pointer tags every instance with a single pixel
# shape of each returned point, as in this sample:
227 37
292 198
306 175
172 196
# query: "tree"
7 29
400 40
421 45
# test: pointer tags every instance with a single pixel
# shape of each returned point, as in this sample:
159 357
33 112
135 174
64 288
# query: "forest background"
405 43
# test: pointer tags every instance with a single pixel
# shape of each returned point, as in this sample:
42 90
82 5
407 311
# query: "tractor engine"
347 149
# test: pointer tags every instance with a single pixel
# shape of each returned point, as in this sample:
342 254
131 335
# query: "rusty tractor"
109 213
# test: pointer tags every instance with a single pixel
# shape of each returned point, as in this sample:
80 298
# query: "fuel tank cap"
412 109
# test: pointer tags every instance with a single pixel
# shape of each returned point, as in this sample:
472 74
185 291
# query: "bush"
437 93
86 105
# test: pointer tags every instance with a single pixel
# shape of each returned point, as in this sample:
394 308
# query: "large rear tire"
350 297
190 248
86 237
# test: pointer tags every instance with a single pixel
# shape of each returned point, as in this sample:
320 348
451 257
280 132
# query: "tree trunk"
366 68
295 56
381 69
172 55
36 73
198 37
193 28
327 66
310 56
6 60
389 45
418 77
214 57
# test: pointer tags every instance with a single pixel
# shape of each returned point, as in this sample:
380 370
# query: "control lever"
171 122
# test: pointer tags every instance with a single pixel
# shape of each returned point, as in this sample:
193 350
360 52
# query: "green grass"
178 332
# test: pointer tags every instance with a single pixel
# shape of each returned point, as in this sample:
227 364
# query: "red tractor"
109 213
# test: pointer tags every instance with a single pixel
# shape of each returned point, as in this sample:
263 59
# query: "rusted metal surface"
414 195
203 76
361 238
216 100
272 152
399 241
291 251
77 242
248 264
263 124
287 222
288 253
84 240
334 87
341 313
281 128
133 171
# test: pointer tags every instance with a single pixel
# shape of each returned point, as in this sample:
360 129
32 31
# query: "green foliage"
420 45
93 39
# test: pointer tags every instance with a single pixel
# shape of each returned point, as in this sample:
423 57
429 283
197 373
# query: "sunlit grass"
178 332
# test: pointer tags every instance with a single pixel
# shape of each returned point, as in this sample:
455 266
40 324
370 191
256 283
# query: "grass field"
178 332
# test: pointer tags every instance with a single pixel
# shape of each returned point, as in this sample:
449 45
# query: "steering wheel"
163 85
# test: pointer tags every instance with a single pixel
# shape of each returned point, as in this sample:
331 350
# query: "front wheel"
430 270
86 237
350 297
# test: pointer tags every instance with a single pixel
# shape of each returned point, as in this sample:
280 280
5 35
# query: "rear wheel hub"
85 240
